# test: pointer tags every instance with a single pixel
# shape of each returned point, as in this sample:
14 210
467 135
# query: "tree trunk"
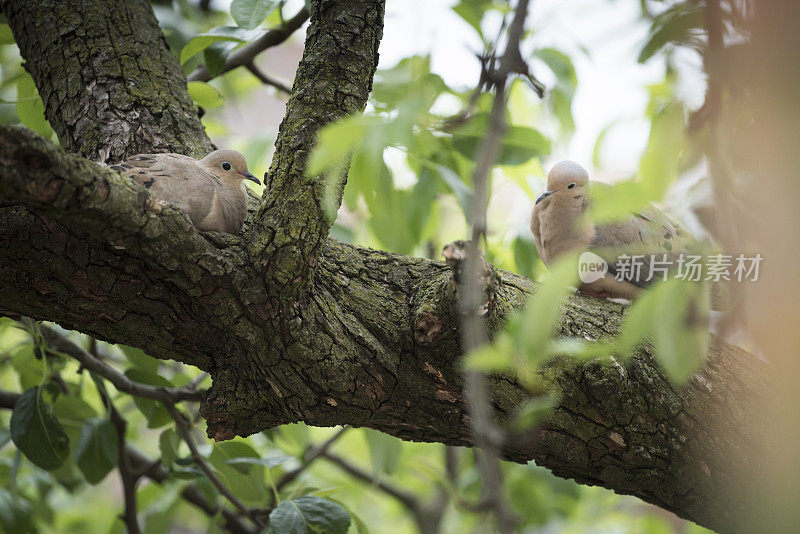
293 326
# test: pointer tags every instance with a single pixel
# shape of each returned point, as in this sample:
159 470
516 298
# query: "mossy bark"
110 86
296 327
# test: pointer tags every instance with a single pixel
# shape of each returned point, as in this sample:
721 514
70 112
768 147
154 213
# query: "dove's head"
228 165
567 181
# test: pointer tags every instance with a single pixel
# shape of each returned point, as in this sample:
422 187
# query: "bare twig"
63 344
191 493
408 499
267 79
184 430
129 479
720 174
248 52
8 399
312 453
488 436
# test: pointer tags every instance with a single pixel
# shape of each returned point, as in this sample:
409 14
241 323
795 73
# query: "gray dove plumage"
558 227
210 191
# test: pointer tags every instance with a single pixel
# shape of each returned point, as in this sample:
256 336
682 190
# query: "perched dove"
210 190
558 227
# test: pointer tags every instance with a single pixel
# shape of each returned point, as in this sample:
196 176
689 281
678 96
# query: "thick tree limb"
333 80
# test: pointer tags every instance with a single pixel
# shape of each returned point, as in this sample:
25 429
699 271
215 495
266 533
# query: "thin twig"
183 429
488 436
312 453
126 475
248 52
406 498
267 79
63 344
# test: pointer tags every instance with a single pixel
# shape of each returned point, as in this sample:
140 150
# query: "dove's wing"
650 234
176 179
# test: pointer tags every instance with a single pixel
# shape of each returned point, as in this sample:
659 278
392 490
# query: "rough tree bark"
294 326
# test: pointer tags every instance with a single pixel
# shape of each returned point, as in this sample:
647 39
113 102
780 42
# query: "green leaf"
335 143
215 55
97 451
37 433
31 112
309 514
680 334
168 443
250 13
72 412
519 144
204 94
526 256
384 451
679 24
492 357
6 37
544 309
472 12
137 358
155 413
16 515
245 480
221 33
269 463
532 412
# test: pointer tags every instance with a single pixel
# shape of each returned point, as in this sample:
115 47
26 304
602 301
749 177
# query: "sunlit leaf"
384 451
519 144
30 108
220 33
205 95
250 13
538 321
472 12
168 443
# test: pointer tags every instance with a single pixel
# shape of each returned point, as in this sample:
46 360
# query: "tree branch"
64 345
129 480
183 429
268 80
110 85
245 55
333 80
309 456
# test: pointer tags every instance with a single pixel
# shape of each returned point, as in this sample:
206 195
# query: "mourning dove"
558 227
210 190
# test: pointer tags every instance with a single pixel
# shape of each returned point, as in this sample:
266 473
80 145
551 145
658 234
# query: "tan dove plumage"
210 190
559 227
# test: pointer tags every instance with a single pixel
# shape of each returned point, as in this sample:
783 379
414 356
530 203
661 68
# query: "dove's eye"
226 165
570 186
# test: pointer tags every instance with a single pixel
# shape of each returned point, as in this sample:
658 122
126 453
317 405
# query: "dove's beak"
249 176
544 196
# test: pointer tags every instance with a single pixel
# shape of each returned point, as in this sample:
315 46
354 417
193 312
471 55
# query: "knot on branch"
455 255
